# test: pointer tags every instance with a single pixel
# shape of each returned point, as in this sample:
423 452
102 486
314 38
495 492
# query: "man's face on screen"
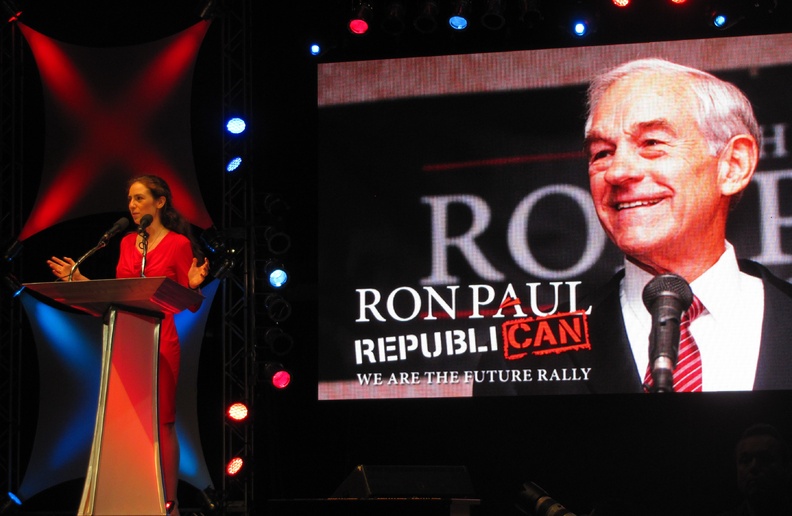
653 181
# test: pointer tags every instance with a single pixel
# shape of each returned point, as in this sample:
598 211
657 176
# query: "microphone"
145 221
535 502
119 226
666 297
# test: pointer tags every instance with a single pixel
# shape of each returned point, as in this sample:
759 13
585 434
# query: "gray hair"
723 111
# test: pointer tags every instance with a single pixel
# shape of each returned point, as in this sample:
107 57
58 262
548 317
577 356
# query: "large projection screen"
455 206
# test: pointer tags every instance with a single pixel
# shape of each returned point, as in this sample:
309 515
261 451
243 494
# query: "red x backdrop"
113 114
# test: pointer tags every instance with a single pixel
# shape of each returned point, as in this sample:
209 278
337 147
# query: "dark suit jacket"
611 363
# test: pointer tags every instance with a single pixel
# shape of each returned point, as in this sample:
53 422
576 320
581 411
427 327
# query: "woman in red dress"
170 254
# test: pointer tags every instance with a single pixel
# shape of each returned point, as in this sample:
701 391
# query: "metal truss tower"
238 334
11 210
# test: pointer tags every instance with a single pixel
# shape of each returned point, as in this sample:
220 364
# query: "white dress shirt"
728 333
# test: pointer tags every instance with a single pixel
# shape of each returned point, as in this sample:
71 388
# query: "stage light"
278 342
12 283
277 308
394 17
426 21
621 3
12 251
276 375
235 466
276 274
581 20
11 10
238 412
493 18
234 164
315 49
10 504
362 14
236 125
678 2
278 242
208 10
530 14
725 14
459 15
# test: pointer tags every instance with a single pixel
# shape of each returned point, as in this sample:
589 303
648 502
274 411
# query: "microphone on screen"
666 296
533 501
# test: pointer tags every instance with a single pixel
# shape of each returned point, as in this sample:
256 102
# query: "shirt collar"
716 288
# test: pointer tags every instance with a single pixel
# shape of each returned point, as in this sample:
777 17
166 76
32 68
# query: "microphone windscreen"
667 285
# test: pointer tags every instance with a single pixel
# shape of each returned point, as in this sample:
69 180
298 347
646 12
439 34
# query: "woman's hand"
61 267
197 273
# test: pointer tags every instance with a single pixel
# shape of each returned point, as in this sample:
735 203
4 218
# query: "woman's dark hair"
169 215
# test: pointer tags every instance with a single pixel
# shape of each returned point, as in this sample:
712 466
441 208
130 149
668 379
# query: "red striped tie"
687 374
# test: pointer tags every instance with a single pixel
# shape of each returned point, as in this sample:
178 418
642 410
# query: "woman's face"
142 202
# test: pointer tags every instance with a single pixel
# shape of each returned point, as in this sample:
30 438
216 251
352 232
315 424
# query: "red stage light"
238 412
358 26
621 3
281 379
234 466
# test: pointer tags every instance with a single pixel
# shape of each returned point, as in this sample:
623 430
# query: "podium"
124 474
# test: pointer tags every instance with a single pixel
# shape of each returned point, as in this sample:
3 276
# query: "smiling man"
670 150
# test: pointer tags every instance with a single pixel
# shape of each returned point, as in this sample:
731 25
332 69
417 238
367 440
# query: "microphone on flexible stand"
533 501
145 221
119 226
666 296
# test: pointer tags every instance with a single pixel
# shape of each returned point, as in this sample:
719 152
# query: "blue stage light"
236 125
579 28
278 277
316 49
458 22
234 164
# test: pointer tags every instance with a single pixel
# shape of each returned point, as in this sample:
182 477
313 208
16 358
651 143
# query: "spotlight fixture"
236 125
394 17
724 14
362 15
12 251
493 18
235 466
276 375
278 342
238 412
529 13
621 3
11 503
11 10
426 21
582 20
276 308
208 10
234 164
278 242
276 274
459 15
12 283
